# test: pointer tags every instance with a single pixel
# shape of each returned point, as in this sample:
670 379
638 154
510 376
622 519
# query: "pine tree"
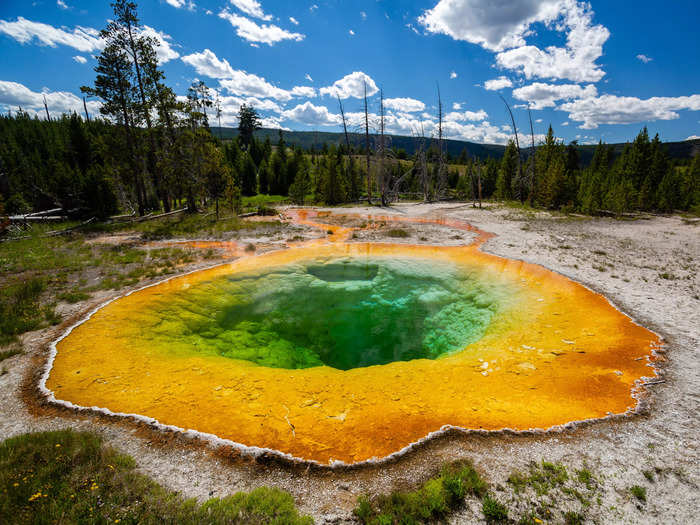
248 175
264 177
301 186
507 172
248 123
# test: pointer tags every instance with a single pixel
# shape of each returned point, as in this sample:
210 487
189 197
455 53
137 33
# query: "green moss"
639 492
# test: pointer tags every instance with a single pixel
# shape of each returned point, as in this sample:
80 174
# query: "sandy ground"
648 268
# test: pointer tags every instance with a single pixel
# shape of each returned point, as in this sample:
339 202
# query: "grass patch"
542 478
639 492
494 511
14 350
74 296
432 501
585 477
21 310
398 233
573 518
72 477
668 276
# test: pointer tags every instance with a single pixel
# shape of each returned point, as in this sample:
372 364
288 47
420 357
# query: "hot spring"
338 351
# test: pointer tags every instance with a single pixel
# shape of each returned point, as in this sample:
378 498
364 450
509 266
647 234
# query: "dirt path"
648 268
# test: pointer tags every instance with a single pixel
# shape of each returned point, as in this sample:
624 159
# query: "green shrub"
398 233
433 500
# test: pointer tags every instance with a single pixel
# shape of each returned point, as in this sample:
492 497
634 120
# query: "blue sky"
593 70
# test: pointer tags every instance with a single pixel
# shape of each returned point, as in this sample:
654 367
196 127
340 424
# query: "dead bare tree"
421 164
531 184
87 115
475 176
348 165
46 107
381 169
367 150
345 123
517 145
441 182
217 107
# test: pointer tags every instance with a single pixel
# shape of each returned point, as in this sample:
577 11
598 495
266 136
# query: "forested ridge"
151 151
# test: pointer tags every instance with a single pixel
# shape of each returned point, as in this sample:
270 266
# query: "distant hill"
307 139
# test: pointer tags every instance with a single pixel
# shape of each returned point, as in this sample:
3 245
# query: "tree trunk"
517 145
369 174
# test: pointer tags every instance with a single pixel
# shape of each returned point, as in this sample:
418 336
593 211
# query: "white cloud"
80 59
85 39
503 27
693 137
208 64
303 91
456 106
308 77
165 49
456 116
565 123
644 58
251 8
576 61
498 83
238 82
182 3
406 105
14 95
313 8
62 4
453 75
538 121
494 25
268 34
351 32
308 113
351 85
611 109
294 20
541 95
363 15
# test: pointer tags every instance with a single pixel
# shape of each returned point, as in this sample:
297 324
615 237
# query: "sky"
596 70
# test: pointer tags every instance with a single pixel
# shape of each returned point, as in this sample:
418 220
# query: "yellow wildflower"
58 445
